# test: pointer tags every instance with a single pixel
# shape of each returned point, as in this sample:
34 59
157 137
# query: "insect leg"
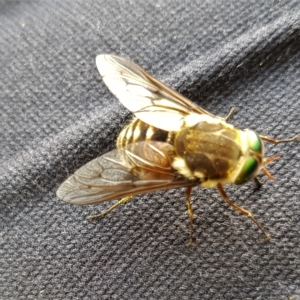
232 111
242 210
274 141
191 213
257 182
122 201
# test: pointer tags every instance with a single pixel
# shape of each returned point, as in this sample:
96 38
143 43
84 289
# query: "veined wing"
150 100
121 173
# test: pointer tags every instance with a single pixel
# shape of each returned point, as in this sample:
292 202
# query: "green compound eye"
254 141
248 171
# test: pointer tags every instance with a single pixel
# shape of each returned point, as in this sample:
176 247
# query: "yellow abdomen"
138 131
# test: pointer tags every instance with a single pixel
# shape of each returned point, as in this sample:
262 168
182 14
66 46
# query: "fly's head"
252 160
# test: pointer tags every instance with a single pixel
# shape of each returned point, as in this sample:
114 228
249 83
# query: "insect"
170 143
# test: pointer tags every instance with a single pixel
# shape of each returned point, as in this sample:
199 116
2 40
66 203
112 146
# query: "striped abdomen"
151 160
138 131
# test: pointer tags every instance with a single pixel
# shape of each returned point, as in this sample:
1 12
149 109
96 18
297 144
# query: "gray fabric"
56 114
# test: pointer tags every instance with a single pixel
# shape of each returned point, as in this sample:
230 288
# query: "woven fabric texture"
56 114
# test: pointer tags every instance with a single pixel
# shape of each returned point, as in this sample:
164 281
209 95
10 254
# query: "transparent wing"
150 100
120 173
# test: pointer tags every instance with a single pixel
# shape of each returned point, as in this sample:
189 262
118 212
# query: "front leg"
274 141
242 211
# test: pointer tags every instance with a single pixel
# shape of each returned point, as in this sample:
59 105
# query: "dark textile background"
56 114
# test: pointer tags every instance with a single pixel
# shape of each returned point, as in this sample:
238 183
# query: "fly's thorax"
252 159
216 152
209 151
